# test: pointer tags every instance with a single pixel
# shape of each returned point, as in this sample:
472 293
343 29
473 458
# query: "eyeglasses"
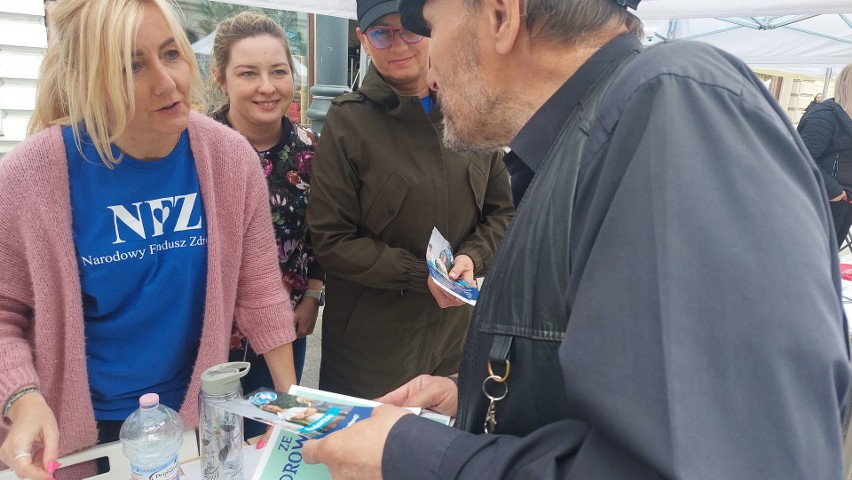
382 37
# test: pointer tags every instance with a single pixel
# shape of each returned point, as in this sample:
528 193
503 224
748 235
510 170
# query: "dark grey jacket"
705 335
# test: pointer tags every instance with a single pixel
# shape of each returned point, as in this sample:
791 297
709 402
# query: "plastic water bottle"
220 433
152 436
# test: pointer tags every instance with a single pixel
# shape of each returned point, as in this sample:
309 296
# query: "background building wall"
200 18
23 40
794 92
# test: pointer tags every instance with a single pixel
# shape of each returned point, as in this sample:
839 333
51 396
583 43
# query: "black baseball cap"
371 10
411 14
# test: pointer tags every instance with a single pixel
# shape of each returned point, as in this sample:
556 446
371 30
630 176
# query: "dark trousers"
108 431
841 213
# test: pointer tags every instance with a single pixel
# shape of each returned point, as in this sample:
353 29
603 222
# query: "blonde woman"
826 130
133 232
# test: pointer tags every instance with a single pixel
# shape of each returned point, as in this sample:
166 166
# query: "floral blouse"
287 167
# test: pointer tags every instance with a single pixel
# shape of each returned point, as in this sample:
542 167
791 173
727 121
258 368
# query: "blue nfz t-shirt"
140 236
427 103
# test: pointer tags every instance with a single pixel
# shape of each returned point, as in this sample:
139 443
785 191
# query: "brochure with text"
282 459
282 456
439 260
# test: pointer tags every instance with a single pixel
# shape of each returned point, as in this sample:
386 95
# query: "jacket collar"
377 89
403 107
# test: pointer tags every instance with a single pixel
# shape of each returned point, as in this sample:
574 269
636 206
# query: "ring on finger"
22 454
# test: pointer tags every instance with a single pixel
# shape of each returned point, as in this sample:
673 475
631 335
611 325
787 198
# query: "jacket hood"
837 110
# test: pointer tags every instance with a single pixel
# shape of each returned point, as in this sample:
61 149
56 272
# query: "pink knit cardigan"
41 313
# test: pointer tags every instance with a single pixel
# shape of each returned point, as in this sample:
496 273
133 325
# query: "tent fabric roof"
665 9
794 35
809 44
332 8
808 37
648 9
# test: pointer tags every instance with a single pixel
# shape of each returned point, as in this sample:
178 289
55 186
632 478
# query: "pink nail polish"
52 466
260 444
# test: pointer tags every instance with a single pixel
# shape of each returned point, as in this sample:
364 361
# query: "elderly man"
665 303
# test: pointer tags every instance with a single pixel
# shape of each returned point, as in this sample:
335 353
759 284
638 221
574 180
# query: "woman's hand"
32 444
280 362
264 439
305 316
462 272
440 394
840 198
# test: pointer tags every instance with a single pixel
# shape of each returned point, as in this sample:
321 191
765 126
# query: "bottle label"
166 471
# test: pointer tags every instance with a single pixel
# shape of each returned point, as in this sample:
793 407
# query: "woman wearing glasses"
382 179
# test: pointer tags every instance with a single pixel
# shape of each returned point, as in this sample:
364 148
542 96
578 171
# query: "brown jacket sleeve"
497 211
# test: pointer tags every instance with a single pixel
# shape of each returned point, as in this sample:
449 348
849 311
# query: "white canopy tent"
650 9
657 9
332 8
804 36
810 37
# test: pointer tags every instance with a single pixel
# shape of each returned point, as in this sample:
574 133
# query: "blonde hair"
843 89
84 79
247 24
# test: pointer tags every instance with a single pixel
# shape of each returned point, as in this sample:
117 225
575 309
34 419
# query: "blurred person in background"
826 130
816 101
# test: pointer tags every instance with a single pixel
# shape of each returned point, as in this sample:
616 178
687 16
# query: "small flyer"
310 417
439 259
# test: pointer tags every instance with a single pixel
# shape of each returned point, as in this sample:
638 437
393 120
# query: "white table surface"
251 457
847 291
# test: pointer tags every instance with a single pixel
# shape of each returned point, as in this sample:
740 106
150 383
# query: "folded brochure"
439 260
282 459
314 418
282 456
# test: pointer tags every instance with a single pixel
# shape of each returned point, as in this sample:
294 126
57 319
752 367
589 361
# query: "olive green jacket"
381 180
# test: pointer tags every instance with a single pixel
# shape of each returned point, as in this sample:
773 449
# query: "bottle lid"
223 378
149 401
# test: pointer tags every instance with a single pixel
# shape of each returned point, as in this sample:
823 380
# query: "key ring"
497 381
498 378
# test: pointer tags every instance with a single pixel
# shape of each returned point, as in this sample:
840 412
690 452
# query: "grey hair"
569 21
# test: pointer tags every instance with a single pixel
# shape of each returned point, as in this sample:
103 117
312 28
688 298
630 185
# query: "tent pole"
672 31
365 64
827 81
